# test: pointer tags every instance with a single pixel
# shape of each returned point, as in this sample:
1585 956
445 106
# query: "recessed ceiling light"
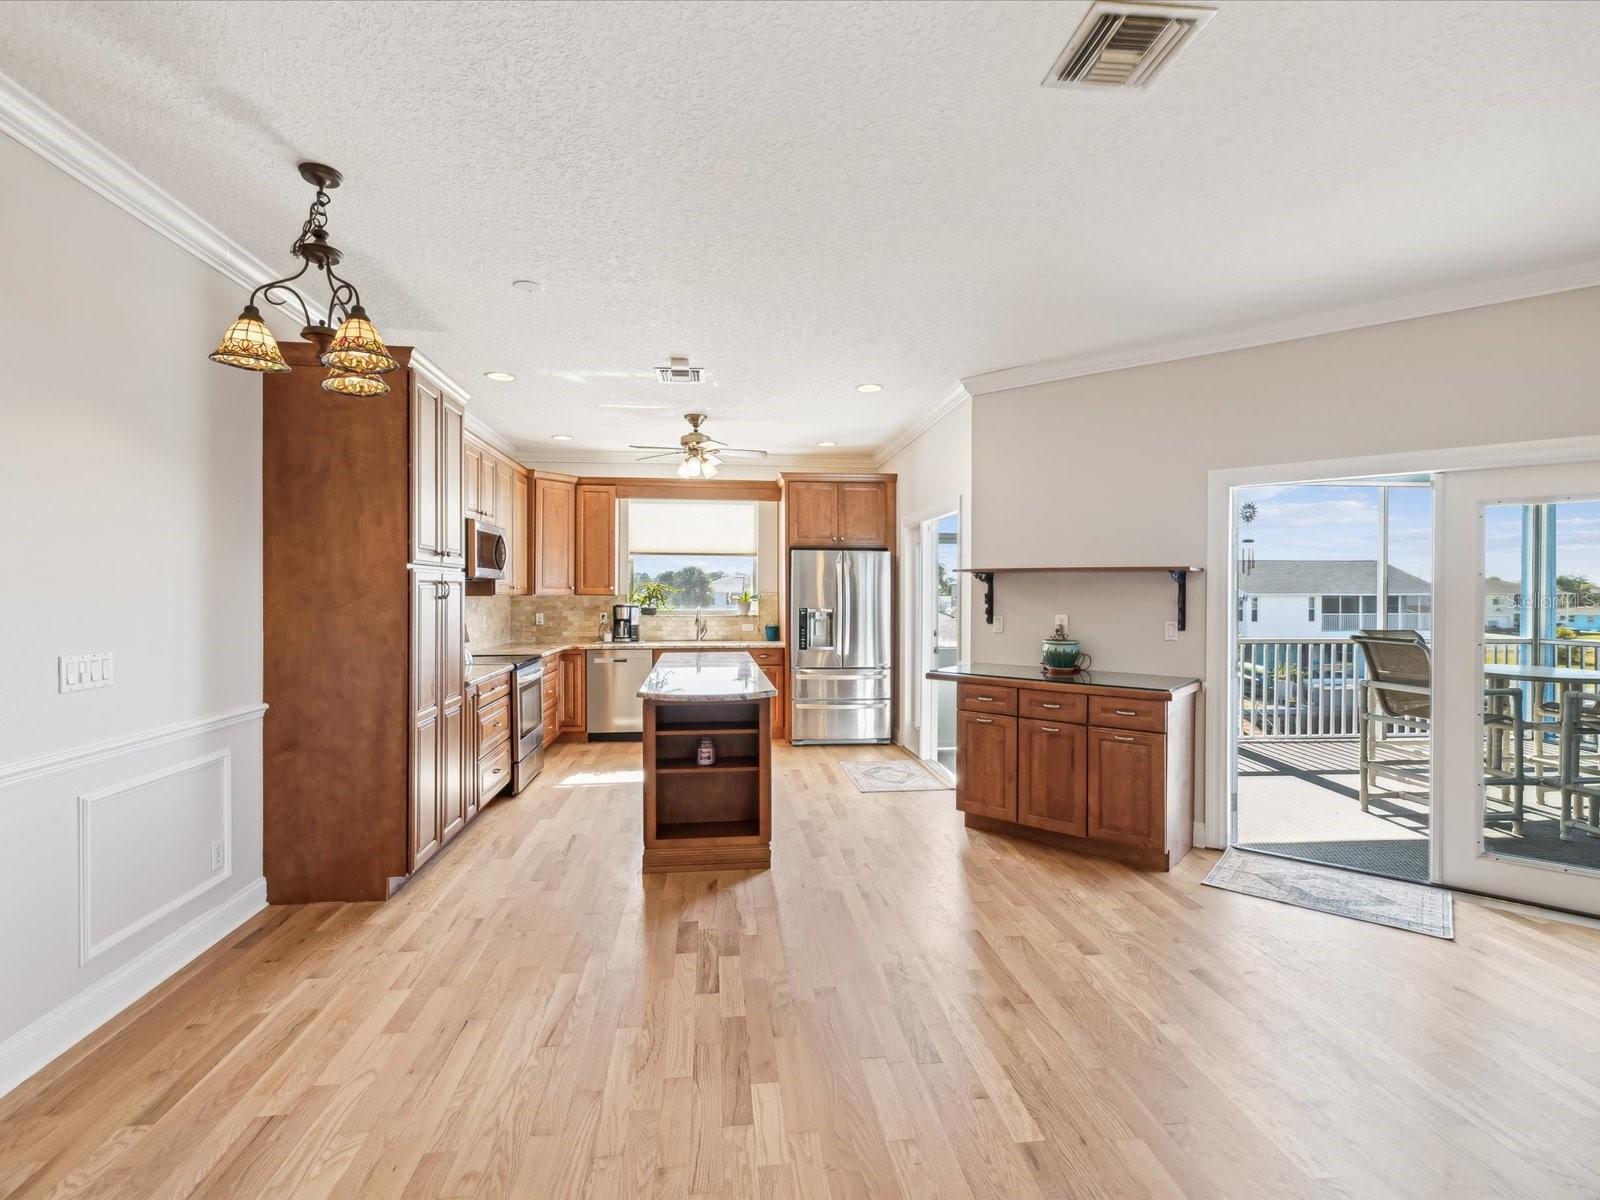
827 443
499 376
869 387
527 285
560 437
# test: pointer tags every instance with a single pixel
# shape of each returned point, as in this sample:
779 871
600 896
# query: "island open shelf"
719 816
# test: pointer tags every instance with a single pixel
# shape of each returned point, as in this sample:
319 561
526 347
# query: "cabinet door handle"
984 699
1044 705
1120 738
1125 712
1048 729
983 720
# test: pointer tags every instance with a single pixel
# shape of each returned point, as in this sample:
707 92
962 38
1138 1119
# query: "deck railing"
1307 687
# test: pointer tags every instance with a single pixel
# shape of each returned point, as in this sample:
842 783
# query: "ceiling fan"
701 453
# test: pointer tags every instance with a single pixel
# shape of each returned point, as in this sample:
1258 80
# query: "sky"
1333 521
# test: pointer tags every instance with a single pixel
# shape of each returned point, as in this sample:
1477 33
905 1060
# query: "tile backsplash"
496 620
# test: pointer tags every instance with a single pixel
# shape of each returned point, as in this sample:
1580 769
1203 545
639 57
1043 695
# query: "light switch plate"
1061 620
79 672
538 618
999 624
1172 631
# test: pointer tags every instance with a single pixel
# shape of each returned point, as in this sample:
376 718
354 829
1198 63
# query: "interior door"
1530 634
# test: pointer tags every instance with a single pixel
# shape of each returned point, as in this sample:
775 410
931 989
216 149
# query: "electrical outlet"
538 618
999 624
1061 620
81 671
216 856
1172 631
747 627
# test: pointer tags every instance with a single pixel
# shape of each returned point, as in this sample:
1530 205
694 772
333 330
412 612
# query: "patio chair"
1397 692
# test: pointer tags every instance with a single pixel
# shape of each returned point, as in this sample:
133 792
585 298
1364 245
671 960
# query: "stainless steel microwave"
487 552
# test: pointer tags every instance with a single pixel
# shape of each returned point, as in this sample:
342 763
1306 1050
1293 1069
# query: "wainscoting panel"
106 874
149 845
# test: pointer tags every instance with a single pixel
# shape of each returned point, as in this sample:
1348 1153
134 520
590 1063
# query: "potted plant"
649 597
744 600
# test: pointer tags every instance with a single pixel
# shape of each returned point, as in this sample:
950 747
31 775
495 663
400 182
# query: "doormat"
1393 902
892 775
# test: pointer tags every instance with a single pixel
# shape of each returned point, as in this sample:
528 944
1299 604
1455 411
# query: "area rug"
892 775
1393 902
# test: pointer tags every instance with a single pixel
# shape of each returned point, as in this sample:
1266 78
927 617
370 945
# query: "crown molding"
942 408
772 464
1523 286
58 141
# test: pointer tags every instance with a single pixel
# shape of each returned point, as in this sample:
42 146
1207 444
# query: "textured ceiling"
804 196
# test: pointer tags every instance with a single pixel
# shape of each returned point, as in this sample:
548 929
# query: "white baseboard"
31 1048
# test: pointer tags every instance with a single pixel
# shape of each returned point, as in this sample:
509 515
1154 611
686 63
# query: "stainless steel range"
527 713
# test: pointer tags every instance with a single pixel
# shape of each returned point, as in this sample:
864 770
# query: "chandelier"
354 354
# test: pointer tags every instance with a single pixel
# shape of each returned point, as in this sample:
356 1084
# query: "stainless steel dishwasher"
615 676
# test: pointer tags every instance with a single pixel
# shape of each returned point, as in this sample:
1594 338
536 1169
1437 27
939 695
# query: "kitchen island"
716 816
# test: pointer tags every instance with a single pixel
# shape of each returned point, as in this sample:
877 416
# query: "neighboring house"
1502 605
1581 620
1307 598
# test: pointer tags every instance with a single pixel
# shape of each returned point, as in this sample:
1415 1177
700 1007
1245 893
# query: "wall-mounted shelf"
985 576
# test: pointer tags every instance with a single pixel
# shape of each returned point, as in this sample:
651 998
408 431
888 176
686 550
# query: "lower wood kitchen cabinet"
550 702
1106 770
574 704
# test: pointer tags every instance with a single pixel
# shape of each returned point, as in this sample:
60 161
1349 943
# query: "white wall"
1113 468
935 477
130 514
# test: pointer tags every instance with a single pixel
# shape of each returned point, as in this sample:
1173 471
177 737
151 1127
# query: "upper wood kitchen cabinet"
554 501
595 539
438 424
520 576
828 512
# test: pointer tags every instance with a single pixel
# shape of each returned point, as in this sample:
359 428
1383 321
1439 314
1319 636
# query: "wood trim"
890 477
1133 856
685 489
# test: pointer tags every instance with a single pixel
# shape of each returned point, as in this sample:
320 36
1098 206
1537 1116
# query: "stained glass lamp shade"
249 344
358 348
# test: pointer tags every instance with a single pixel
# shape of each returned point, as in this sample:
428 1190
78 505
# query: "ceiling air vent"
678 370
1124 45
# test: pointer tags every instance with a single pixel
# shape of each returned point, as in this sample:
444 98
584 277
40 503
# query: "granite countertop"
478 672
705 677
1012 673
558 647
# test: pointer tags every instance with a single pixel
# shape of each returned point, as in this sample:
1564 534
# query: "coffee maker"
624 622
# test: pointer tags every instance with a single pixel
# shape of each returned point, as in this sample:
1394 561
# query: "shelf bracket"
987 579
1181 578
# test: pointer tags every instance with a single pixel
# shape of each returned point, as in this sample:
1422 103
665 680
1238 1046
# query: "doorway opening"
1330 733
939 638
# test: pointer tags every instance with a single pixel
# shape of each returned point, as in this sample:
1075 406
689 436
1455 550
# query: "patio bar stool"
1503 719
1580 719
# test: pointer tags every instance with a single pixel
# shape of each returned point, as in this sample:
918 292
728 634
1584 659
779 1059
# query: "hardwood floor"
897 1008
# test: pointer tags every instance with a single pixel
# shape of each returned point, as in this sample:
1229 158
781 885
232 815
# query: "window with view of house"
702 552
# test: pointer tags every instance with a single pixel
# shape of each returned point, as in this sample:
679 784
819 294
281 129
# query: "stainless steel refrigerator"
840 652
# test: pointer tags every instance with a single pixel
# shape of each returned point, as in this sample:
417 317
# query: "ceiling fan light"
249 345
357 347
708 470
689 468
349 383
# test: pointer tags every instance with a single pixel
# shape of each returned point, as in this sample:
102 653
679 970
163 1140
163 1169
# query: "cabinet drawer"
1053 706
494 772
494 722
493 689
1113 713
981 697
768 657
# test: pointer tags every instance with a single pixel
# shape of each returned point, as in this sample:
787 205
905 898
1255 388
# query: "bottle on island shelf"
706 755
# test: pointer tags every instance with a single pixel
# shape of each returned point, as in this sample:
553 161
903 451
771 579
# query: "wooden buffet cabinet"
1103 763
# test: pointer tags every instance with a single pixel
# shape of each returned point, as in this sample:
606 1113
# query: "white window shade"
691 527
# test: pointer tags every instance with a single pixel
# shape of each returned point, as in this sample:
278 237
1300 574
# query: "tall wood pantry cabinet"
366 773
